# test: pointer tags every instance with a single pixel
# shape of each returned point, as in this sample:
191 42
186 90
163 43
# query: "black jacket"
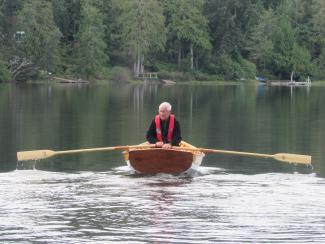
152 134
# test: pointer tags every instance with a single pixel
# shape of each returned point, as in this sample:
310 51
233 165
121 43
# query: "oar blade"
293 158
34 155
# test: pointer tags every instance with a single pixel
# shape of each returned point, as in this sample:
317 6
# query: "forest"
179 39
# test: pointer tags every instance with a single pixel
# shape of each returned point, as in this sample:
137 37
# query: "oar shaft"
261 155
102 149
98 149
41 154
283 157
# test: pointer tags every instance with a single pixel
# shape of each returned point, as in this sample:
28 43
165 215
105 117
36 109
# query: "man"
164 130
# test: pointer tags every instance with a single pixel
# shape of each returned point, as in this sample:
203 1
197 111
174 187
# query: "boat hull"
155 161
168 161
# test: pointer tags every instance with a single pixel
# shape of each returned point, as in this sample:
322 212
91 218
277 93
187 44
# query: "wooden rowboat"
168 161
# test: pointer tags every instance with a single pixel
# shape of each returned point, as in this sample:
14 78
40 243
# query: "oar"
283 157
41 154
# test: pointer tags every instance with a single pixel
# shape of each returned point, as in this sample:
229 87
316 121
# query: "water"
93 198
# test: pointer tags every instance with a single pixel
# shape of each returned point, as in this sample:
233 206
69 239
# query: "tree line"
183 39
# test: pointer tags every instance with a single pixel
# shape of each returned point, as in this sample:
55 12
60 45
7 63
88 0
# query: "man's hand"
159 144
167 146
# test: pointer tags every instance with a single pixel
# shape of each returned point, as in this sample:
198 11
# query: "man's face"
163 113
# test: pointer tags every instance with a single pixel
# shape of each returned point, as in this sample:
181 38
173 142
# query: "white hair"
166 105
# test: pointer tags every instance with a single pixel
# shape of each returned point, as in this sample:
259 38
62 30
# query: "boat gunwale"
183 147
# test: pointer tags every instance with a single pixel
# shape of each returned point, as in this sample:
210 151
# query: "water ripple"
213 207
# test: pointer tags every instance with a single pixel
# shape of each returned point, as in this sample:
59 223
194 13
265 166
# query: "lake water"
93 197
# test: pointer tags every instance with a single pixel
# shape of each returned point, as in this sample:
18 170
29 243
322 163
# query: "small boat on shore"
168 161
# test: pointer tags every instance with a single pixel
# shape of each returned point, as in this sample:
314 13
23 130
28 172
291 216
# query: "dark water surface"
93 198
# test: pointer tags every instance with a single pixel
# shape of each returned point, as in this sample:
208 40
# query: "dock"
153 77
288 83
148 75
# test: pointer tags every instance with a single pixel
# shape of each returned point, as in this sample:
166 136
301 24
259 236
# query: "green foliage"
187 31
42 37
193 75
260 45
120 74
318 22
187 23
141 29
301 61
196 75
230 21
174 75
91 49
275 47
234 69
319 66
4 72
2 19
283 41
232 38
67 16
9 9
142 25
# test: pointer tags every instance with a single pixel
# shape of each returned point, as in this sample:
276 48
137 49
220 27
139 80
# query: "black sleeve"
151 133
177 134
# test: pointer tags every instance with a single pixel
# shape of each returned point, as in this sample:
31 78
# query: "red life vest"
170 128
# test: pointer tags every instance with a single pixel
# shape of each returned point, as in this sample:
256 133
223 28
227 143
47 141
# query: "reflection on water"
93 197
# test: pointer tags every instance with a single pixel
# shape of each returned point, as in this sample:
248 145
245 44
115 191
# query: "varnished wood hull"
158 160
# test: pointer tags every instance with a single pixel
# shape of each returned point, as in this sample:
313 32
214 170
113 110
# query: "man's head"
164 110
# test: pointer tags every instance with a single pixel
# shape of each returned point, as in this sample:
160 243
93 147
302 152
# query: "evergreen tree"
283 39
141 29
188 28
9 9
229 23
278 47
2 20
67 18
39 46
91 44
319 64
301 62
260 46
303 24
319 38
4 72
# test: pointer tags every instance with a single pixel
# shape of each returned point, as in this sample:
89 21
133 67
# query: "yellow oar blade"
41 154
293 158
34 155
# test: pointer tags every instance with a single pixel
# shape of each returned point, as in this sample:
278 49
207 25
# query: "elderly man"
164 130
